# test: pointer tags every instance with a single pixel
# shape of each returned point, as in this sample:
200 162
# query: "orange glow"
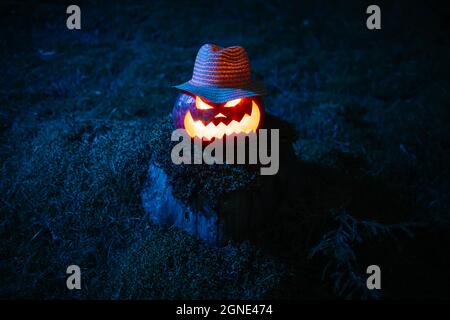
249 123
232 103
200 104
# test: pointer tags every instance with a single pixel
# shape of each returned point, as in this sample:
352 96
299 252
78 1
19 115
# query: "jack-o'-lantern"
205 119
221 98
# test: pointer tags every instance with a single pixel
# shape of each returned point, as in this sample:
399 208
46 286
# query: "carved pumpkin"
207 120
221 98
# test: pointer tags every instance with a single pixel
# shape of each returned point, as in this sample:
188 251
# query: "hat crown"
221 67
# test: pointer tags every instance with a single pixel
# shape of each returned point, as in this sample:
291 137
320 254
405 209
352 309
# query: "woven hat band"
221 67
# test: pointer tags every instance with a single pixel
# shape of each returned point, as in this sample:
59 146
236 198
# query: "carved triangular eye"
201 105
232 103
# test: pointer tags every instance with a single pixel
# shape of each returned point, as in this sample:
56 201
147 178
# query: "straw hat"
222 74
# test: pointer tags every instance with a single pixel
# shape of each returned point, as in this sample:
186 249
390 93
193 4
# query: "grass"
78 111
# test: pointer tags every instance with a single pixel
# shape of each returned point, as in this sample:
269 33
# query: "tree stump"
217 203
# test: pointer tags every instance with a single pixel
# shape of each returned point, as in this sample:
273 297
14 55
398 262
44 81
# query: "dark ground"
78 110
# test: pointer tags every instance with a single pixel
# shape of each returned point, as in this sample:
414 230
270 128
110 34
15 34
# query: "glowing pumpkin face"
207 120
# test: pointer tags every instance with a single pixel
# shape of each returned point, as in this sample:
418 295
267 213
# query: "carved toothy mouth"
247 124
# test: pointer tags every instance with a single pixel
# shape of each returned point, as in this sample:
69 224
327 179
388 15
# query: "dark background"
77 110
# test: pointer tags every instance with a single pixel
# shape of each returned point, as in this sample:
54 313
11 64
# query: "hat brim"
221 95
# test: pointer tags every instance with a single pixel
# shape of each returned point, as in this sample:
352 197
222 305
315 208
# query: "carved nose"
220 115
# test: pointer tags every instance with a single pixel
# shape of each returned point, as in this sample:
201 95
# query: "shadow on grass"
333 222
